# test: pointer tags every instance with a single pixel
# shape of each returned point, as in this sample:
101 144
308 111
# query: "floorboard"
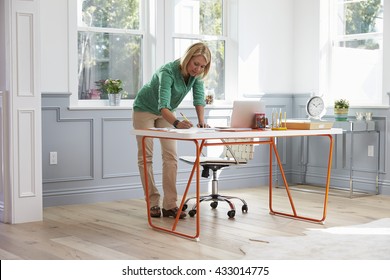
119 229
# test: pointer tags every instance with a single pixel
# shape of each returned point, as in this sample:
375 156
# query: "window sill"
369 107
84 105
128 105
100 107
365 107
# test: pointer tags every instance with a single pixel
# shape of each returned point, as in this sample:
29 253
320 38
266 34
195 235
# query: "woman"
155 105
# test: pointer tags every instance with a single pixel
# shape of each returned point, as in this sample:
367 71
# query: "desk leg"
294 212
275 151
146 181
195 168
351 167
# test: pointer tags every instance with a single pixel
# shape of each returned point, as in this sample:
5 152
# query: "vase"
341 114
114 99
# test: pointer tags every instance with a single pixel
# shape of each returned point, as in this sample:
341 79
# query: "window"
109 46
196 20
357 51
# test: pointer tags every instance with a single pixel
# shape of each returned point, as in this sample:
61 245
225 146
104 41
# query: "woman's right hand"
184 125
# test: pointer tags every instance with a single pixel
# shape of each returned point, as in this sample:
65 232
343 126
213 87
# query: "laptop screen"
243 113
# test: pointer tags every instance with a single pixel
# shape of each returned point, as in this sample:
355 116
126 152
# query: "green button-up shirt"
167 89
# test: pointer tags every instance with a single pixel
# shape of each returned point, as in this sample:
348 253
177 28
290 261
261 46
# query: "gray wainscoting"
97 154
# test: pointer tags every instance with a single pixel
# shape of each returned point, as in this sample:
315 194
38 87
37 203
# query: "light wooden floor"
119 230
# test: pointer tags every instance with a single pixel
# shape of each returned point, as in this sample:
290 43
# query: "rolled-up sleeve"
165 90
198 93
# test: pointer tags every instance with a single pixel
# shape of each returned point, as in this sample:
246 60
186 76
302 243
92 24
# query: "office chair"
237 154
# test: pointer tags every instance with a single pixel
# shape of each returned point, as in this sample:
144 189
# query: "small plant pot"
341 114
114 99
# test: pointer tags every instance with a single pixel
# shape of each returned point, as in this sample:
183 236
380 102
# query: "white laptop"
243 113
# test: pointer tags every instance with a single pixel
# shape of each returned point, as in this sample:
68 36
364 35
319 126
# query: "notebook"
243 114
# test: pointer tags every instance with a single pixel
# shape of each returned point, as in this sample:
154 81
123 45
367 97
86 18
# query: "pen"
184 117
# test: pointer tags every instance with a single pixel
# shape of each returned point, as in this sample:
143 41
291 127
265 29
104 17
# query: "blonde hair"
195 50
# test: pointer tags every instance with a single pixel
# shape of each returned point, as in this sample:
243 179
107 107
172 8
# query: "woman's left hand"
205 125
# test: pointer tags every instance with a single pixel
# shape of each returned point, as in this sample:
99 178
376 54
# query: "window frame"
74 17
329 40
229 36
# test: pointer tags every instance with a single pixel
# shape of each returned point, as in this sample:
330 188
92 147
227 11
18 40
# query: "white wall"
266 36
386 54
2 47
306 46
54 46
279 46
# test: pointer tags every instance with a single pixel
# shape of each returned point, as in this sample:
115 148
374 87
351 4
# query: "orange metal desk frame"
202 139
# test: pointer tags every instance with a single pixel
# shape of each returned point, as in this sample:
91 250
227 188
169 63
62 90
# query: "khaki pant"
143 120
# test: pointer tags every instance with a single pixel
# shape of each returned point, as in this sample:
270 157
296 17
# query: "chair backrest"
239 151
231 155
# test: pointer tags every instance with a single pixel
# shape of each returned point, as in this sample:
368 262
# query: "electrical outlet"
370 150
53 158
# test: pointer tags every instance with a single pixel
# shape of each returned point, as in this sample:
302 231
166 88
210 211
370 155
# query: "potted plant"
113 88
340 109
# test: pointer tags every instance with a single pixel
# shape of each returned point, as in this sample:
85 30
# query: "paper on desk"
229 129
160 128
189 130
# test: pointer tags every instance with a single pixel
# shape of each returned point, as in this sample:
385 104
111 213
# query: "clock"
315 107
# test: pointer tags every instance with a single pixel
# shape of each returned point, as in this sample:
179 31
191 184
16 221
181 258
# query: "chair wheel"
245 208
185 206
192 213
231 213
214 204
